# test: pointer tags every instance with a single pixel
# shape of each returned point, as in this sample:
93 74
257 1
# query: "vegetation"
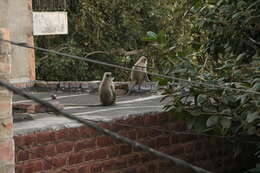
217 43
214 42
105 30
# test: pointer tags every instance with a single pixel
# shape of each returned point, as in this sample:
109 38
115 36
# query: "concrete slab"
74 103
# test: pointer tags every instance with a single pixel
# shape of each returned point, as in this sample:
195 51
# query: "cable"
107 132
126 68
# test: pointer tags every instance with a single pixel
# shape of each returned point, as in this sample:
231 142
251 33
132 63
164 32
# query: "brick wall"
6 124
83 150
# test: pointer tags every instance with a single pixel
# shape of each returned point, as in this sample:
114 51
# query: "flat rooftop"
137 104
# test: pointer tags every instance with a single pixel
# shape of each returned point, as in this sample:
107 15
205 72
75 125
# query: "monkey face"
143 59
108 76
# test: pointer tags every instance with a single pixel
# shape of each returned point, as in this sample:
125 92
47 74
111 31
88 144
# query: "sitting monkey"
107 93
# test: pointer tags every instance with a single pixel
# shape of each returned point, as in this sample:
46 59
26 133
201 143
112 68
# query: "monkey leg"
131 87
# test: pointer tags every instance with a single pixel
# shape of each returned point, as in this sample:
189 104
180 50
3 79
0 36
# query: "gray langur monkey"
107 93
138 77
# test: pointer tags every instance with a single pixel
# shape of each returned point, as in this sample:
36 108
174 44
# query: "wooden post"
7 163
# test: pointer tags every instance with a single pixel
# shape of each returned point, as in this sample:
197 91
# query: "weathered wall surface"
83 150
17 15
6 121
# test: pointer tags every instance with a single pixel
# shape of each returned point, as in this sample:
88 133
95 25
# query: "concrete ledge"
73 85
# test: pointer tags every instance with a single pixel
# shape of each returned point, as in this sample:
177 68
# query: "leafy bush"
215 43
102 30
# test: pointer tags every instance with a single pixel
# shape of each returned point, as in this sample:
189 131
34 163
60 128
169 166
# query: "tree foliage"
105 30
215 43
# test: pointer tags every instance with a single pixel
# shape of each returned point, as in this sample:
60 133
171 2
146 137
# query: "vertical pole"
7 164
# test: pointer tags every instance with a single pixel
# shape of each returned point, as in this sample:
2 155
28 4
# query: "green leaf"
257 80
251 131
151 34
212 121
202 99
196 112
252 116
243 99
256 86
240 58
225 122
226 112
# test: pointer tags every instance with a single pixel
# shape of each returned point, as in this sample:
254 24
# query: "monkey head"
143 59
108 76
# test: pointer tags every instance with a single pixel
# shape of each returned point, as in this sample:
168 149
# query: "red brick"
33 166
113 151
44 137
145 157
108 165
22 155
97 167
152 143
30 139
120 163
108 126
19 140
100 154
163 118
198 145
133 159
207 164
129 170
64 147
165 164
75 158
70 170
201 155
177 126
38 166
176 149
190 157
175 138
84 169
132 134
103 141
154 133
37 152
89 156
47 165
142 133
50 150
85 144
87 131
125 149
61 134
163 141
74 133
18 168
138 121
28 168
150 120
59 161
189 147
141 169
152 168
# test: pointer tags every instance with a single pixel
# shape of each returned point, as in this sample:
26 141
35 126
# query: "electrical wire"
25 45
107 132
